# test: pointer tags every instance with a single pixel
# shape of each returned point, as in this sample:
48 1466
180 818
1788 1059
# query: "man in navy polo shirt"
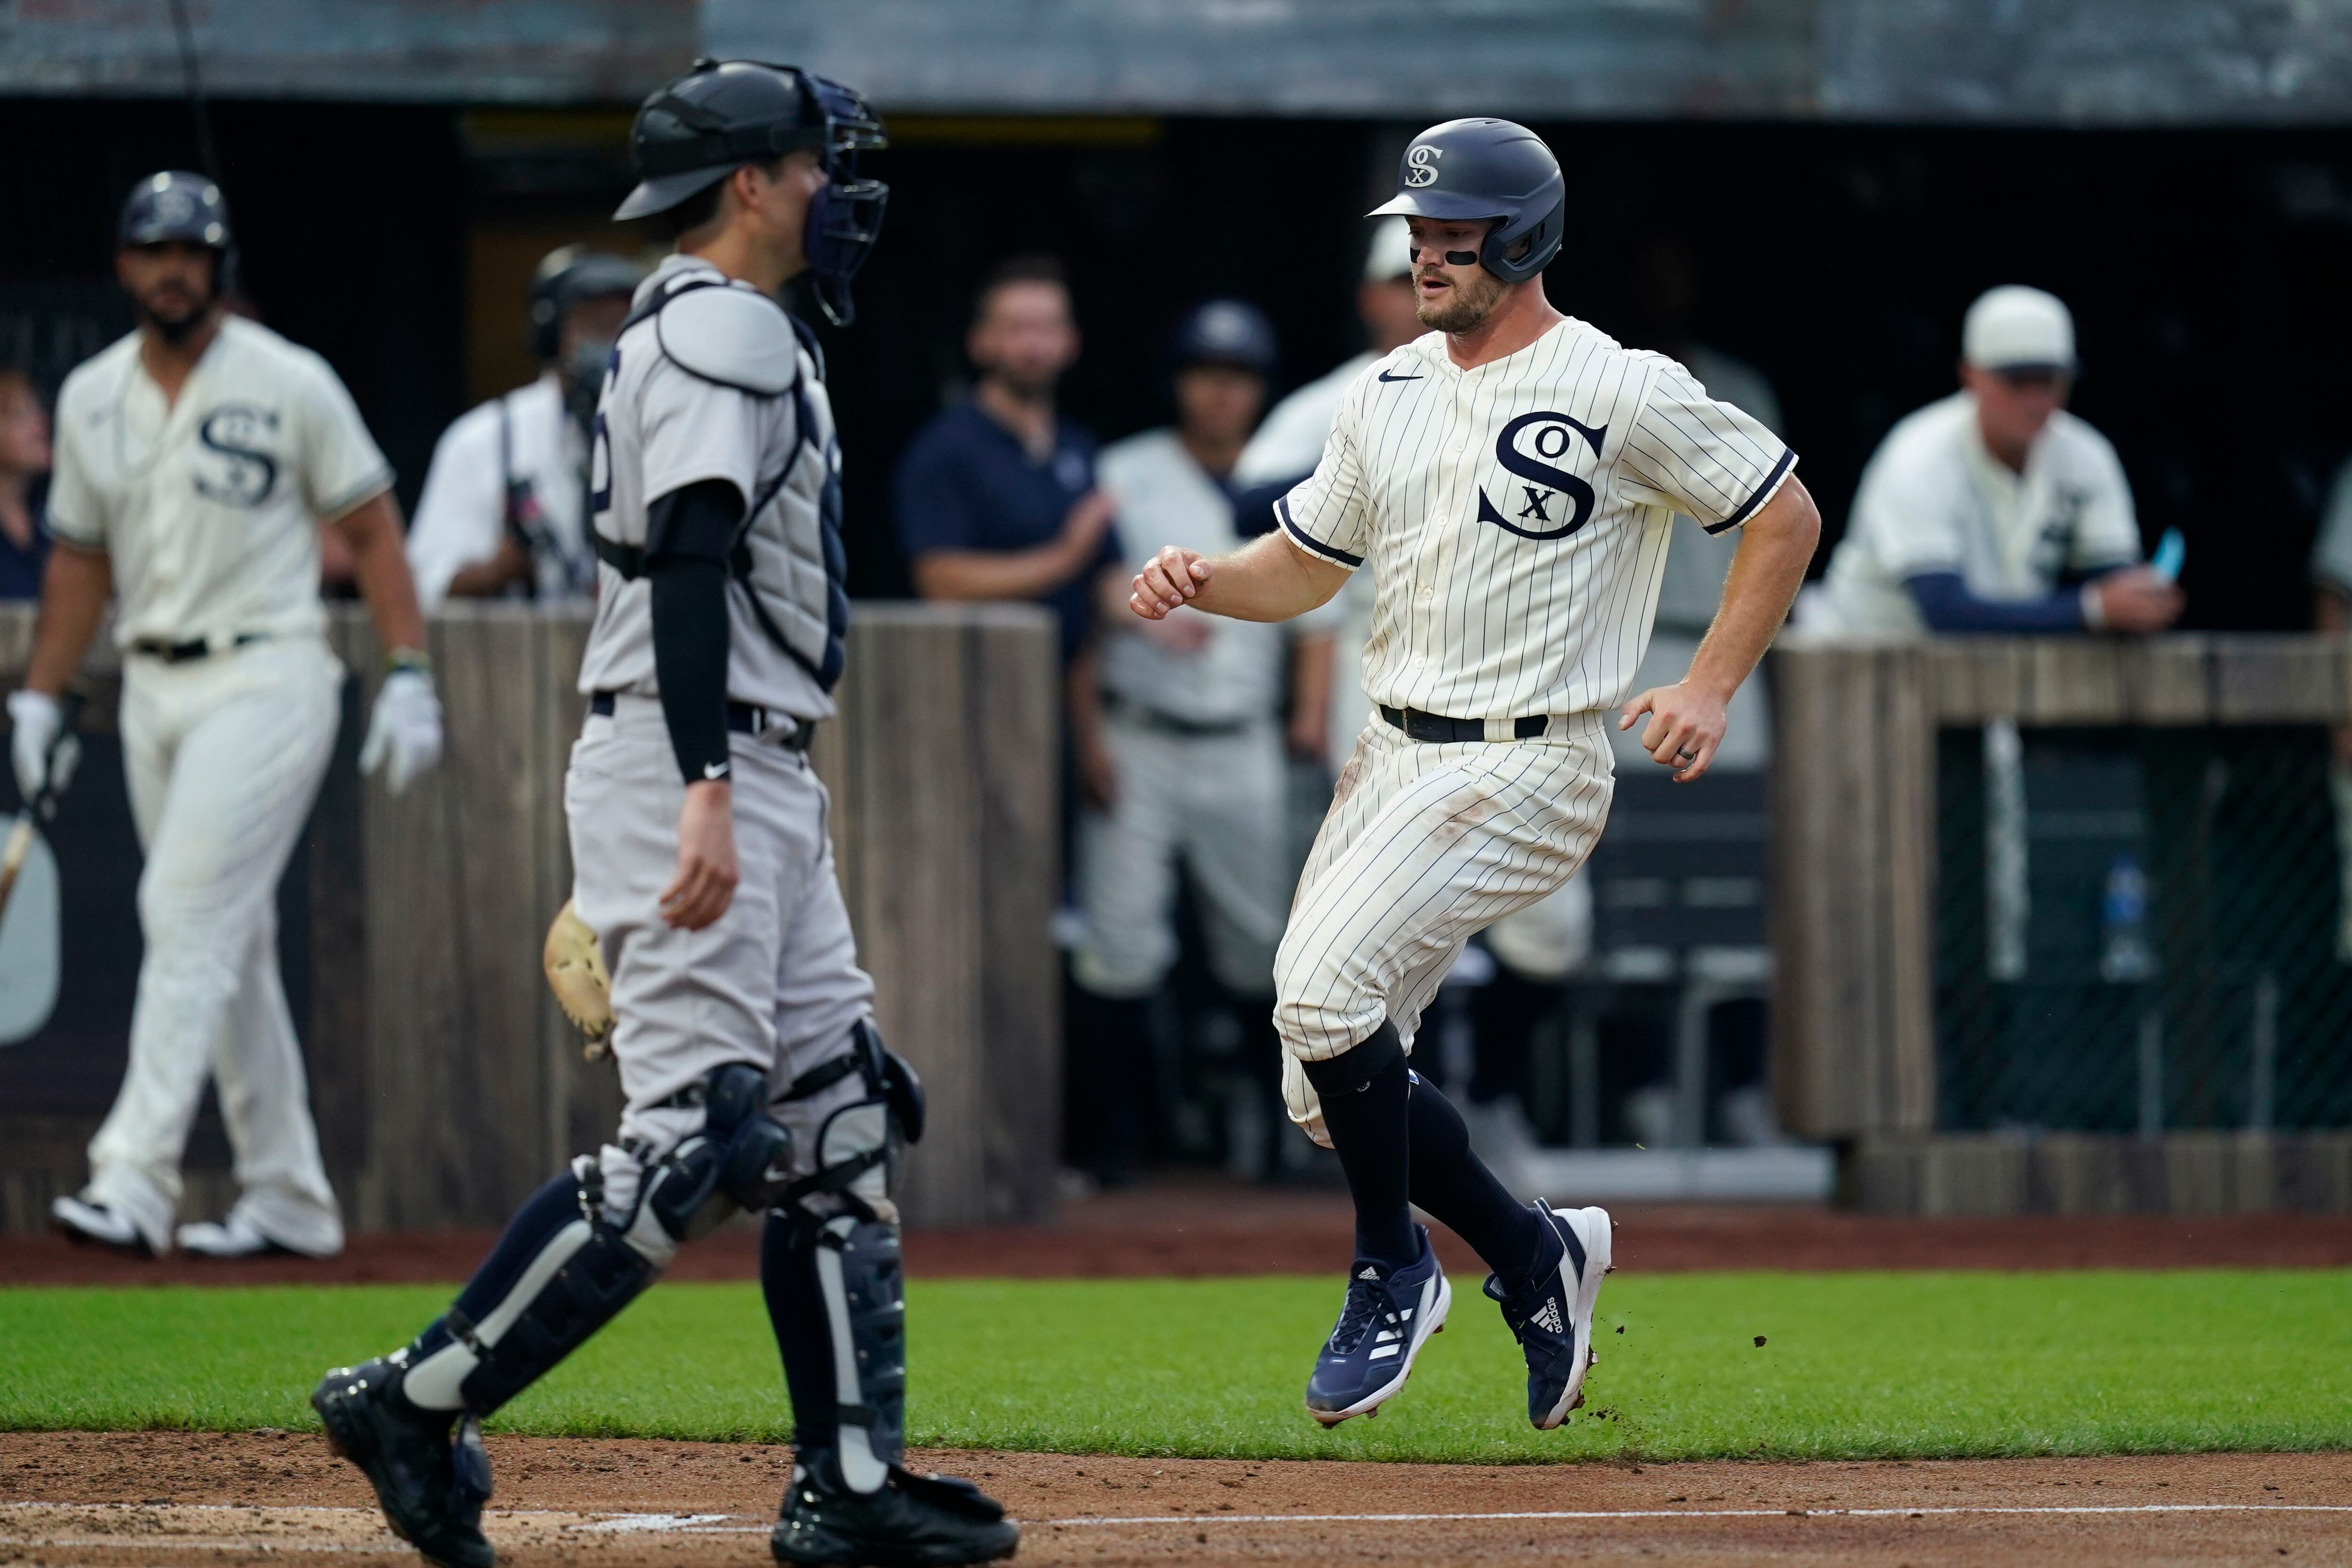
996 496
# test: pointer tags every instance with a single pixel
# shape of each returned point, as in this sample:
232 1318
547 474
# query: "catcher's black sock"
1364 1092
1453 1184
797 1312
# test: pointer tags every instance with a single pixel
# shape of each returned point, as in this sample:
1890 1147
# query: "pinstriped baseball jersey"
1517 514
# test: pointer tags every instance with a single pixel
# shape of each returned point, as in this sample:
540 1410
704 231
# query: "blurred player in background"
504 510
1994 509
196 459
25 456
1180 753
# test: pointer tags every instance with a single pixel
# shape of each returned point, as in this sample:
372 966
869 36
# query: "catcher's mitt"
575 961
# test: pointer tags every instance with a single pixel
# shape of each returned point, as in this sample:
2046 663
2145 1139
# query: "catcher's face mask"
845 218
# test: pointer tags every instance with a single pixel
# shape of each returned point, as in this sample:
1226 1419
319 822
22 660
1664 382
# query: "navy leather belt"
1440 730
743 718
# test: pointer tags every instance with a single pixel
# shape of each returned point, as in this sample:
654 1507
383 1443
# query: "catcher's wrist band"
408 659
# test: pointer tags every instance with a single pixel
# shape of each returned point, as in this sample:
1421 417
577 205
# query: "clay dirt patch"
149 1497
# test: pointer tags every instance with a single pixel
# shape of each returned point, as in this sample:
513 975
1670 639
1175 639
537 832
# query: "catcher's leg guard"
829 1268
569 1263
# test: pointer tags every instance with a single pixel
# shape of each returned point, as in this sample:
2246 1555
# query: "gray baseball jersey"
662 426
1517 515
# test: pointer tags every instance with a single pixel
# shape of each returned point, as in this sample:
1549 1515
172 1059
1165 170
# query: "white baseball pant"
1216 802
773 982
224 757
1426 845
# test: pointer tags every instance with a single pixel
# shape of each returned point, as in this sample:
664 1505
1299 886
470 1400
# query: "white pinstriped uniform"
1516 516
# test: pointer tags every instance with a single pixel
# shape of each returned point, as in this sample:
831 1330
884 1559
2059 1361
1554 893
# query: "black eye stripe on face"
1453 257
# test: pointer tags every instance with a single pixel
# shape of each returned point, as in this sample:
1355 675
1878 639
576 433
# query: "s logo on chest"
237 467
1549 502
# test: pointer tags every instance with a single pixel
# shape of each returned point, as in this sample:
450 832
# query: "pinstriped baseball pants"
1424 846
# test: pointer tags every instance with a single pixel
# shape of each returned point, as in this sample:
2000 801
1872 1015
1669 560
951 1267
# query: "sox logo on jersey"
1551 440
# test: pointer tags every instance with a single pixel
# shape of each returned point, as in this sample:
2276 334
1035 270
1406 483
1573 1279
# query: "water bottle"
2124 954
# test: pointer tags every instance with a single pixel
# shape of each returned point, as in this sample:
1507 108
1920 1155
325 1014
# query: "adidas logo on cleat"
1369 1273
1548 1318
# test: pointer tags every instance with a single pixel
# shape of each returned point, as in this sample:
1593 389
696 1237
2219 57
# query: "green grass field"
1854 1366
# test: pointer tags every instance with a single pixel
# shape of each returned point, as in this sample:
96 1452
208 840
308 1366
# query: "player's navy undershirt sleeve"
687 534
1946 605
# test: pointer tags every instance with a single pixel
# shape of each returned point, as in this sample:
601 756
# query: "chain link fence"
2142 930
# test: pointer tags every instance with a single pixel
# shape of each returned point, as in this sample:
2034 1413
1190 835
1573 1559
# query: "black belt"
1169 724
195 648
1439 729
743 718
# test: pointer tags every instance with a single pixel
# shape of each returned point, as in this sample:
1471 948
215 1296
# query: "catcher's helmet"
1487 169
1223 333
722 114
563 279
177 204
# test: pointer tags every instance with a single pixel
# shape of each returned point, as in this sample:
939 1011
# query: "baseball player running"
753 1074
1513 476
195 458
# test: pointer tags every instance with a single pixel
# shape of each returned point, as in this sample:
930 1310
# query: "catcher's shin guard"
562 1271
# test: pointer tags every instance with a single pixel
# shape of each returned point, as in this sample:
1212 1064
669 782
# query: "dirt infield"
151 1498
1195 1227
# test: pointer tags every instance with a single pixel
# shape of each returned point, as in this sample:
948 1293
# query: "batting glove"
405 732
44 757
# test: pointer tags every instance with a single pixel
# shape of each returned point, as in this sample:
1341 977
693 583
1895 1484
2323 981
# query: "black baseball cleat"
1550 1311
428 1468
910 1522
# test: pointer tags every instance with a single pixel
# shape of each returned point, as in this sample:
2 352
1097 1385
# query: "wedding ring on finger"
1686 754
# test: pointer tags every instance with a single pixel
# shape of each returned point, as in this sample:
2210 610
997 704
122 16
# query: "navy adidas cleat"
1551 1311
1385 1320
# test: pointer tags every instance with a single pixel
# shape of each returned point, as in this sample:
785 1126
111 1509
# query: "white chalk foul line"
1588 1514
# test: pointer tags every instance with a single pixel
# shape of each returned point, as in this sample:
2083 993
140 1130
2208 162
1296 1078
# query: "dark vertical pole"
192 84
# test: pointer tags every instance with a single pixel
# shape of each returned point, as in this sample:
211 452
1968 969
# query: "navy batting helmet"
1223 333
563 279
177 204
722 114
1468 169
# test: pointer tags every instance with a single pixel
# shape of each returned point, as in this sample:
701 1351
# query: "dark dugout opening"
2204 269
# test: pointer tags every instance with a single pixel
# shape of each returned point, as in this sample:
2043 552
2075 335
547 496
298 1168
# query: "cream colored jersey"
1517 514
208 508
1933 499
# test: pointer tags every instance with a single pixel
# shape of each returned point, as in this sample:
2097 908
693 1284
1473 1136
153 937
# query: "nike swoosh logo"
1386 377
714 770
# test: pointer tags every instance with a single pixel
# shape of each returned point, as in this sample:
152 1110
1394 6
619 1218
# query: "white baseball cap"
1390 252
2015 328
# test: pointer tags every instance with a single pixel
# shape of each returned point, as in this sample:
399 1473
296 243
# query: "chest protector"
786 560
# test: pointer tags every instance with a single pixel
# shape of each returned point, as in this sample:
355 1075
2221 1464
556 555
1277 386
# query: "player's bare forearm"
1688 720
75 586
1265 579
1775 547
372 530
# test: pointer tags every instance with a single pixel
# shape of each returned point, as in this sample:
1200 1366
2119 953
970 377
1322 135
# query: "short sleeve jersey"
1932 499
208 506
1517 513
461 517
665 428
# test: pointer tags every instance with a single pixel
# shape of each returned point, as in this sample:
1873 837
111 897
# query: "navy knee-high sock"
1364 1092
1453 1184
